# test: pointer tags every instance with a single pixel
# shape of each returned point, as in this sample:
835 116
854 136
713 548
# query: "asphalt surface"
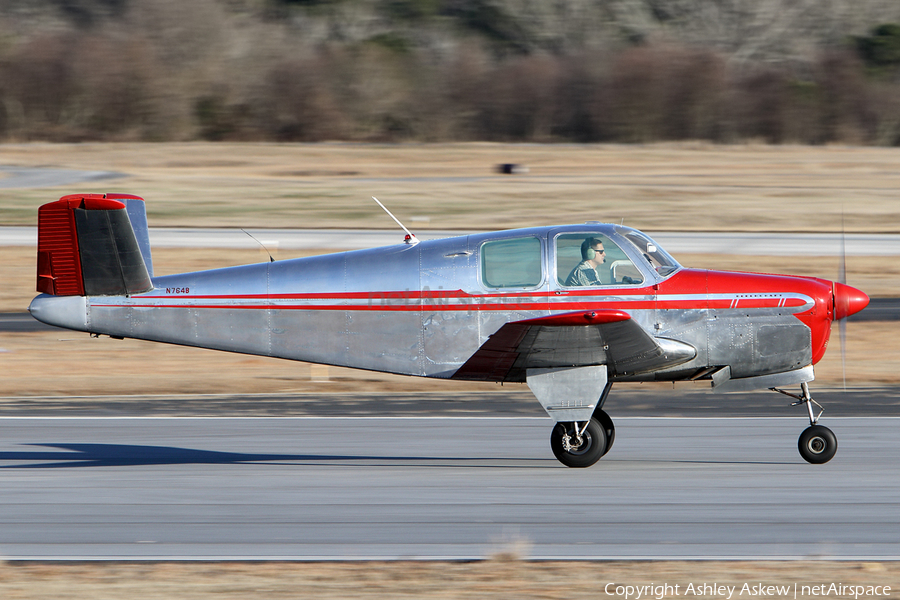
689 400
362 488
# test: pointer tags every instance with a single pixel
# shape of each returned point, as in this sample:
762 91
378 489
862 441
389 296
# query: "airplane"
568 310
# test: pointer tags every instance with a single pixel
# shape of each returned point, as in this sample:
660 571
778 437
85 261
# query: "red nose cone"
848 301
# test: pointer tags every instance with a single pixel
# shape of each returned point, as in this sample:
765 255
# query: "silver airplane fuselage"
425 309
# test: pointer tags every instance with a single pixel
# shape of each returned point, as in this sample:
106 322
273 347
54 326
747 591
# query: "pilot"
593 255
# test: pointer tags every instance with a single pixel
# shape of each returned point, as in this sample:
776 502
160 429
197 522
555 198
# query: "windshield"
658 258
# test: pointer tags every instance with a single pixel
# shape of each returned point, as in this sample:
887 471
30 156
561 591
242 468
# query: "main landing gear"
577 444
581 444
817 443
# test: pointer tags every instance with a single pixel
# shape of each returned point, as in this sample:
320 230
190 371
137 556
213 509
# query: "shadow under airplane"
125 455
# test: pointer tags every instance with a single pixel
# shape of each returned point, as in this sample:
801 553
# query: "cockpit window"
658 258
592 260
512 263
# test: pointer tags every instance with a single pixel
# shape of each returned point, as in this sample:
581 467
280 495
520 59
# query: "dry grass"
665 186
502 577
84 366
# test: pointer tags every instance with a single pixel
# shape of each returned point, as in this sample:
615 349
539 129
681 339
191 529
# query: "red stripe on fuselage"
388 303
687 290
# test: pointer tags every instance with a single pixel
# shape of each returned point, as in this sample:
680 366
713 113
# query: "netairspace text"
796 590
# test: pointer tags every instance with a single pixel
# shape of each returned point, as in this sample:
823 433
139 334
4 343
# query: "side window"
512 263
578 263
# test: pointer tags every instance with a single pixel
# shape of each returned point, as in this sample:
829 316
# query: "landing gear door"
568 394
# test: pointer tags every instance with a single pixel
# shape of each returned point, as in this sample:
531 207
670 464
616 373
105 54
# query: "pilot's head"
592 249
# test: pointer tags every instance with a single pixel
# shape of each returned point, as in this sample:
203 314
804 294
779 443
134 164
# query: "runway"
451 488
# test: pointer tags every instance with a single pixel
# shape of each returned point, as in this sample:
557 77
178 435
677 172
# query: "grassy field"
502 576
656 187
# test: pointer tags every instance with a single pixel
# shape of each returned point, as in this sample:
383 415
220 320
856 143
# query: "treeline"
199 70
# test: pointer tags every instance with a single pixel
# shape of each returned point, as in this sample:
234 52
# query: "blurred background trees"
780 71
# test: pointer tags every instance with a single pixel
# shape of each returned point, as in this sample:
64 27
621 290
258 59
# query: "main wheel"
608 428
817 444
577 451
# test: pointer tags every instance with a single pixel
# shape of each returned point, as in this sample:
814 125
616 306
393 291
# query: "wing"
599 337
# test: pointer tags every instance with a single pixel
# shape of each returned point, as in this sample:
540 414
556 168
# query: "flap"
584 338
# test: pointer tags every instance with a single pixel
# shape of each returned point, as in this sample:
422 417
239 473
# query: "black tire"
817 444
608 427
593 444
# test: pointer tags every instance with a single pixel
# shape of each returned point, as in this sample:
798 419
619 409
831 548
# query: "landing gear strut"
605 422
608 428
817 443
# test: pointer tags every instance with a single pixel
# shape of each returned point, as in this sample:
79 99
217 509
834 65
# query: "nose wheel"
817 443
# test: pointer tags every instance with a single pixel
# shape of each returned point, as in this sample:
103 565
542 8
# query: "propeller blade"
842 267
842 326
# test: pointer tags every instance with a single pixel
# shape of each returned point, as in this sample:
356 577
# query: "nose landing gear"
817 443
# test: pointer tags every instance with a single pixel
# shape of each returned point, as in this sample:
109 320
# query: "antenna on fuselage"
410 237
261 245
